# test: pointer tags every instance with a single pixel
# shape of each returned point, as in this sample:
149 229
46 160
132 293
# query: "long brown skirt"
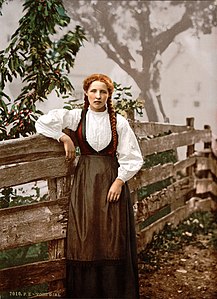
101 243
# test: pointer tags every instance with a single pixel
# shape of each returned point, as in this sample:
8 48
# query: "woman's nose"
98 95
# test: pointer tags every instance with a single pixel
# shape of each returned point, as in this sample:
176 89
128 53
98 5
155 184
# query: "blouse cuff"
59 136
121 178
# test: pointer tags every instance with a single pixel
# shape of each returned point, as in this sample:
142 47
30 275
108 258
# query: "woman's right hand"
68 146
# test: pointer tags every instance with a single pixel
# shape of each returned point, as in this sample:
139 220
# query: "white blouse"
98 133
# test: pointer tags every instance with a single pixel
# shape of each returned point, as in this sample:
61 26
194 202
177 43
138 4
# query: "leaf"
33 56
9 77
2 94
61 11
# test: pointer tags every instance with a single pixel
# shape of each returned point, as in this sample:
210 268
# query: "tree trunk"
149 106
143 82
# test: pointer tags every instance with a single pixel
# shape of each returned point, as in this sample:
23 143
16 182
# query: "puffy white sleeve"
52 124
129 154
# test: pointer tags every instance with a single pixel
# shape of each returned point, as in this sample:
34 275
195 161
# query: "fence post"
52 189
207 153
212 176
190 148
58 187
207 145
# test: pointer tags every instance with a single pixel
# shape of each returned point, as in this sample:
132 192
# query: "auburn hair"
112 115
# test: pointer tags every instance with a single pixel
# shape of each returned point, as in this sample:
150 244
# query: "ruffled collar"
97 113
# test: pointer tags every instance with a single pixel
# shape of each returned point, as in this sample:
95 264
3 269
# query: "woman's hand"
115 190
69 147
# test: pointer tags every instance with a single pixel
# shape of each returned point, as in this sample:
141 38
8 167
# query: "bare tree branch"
164 39
119 26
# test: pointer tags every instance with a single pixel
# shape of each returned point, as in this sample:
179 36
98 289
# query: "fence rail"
191 185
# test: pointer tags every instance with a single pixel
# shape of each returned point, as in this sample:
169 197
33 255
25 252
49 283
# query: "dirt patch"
180 268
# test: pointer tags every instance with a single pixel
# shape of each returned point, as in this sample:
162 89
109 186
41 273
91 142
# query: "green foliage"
152 160
123 100
1 3
160 158
73 104
148 190
10 197
23 255
20 256
40 63
171 239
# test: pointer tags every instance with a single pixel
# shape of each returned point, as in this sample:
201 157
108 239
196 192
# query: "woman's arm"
68 146
129 157
129 154
115 190
52 124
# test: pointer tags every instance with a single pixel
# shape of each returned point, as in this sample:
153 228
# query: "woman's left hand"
115 190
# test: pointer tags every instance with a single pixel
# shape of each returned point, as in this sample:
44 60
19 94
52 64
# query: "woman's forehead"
98 85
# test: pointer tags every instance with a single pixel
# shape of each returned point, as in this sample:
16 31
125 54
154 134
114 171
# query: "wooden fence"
190 185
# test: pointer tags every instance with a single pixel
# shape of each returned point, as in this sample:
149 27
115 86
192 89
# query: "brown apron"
101 245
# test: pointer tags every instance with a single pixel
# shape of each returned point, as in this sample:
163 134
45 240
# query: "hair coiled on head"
112 115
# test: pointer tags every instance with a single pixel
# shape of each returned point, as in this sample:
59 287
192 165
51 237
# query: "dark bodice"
84 146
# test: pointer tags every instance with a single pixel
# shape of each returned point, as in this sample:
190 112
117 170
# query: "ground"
181 264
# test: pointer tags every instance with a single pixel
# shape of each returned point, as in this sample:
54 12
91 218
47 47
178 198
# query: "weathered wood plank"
146 177
56 250
195 204
206 185
36 170
153 129
52 188
32 274
64 183
22 149
30 224
158 173
167 196
207 163
173 141
191 147
31 148
183 164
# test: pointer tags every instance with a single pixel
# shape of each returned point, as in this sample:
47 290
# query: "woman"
101 244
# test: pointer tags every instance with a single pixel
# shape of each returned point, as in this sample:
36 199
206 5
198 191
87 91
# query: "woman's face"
97 96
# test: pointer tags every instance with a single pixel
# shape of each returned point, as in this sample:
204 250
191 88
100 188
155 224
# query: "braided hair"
112 115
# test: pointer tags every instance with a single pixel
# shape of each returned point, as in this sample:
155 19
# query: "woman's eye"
100 91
